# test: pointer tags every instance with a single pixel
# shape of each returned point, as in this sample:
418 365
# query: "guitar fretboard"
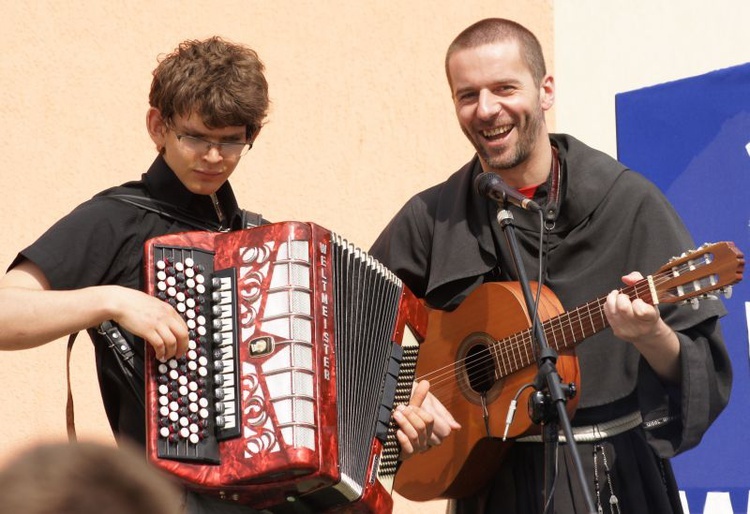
691 276
561 332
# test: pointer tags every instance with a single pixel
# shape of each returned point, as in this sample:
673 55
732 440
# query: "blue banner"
692 138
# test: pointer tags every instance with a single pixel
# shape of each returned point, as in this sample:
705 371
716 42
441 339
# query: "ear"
156 127
547 92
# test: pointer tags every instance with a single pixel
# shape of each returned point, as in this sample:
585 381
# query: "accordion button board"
196 393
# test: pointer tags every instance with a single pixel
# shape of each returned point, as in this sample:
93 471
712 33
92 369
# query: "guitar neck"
562 332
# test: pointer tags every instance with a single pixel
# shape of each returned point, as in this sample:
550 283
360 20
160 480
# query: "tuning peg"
694 303
727 292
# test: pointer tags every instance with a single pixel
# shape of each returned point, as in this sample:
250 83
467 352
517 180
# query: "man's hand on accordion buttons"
424 423
157 322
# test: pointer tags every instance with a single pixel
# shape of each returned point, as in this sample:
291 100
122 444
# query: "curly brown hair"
220 81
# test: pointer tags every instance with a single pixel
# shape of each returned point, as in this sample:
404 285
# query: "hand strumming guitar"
423 423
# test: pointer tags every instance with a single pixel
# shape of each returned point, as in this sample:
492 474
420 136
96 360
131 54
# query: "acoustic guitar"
479 356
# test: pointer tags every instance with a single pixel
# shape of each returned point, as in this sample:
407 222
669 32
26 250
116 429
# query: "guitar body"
458 357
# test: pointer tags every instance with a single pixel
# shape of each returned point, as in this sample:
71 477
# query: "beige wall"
361 119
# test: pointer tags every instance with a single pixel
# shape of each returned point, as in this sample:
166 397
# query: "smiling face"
501 109
201 172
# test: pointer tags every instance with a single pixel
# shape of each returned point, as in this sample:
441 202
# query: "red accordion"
300 347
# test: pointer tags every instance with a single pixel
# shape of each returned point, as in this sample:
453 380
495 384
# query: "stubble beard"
527 138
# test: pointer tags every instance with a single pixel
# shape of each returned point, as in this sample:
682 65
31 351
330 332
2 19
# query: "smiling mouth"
497 132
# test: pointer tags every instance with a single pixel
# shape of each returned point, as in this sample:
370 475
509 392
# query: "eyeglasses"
228 150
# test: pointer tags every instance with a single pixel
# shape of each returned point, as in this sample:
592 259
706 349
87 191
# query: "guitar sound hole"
480 369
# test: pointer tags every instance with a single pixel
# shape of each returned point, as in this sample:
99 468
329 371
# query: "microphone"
490 184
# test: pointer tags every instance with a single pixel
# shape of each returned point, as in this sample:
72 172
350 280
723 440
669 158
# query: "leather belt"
596 432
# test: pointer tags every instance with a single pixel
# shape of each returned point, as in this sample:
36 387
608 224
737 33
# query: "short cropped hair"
496 30
85 478
220 81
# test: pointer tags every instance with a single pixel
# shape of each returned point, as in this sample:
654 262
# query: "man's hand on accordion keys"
148 317
424 423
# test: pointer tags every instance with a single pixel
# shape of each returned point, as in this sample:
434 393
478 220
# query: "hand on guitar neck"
639 323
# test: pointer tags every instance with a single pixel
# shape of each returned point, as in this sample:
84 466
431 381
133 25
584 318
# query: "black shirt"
101 243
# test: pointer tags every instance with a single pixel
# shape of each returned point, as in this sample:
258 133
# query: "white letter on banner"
717 502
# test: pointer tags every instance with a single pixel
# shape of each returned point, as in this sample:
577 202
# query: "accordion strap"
249 219
70 421
124 358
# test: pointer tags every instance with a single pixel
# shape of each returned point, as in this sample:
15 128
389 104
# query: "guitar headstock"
712 267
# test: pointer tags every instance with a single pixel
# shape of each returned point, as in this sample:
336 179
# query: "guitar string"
505 349
573 319
513 352
506 353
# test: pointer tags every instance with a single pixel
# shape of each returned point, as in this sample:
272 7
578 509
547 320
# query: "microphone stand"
550 395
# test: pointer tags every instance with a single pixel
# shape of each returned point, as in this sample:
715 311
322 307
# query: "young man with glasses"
208 101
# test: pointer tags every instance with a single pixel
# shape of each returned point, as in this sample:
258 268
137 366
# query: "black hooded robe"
445 242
